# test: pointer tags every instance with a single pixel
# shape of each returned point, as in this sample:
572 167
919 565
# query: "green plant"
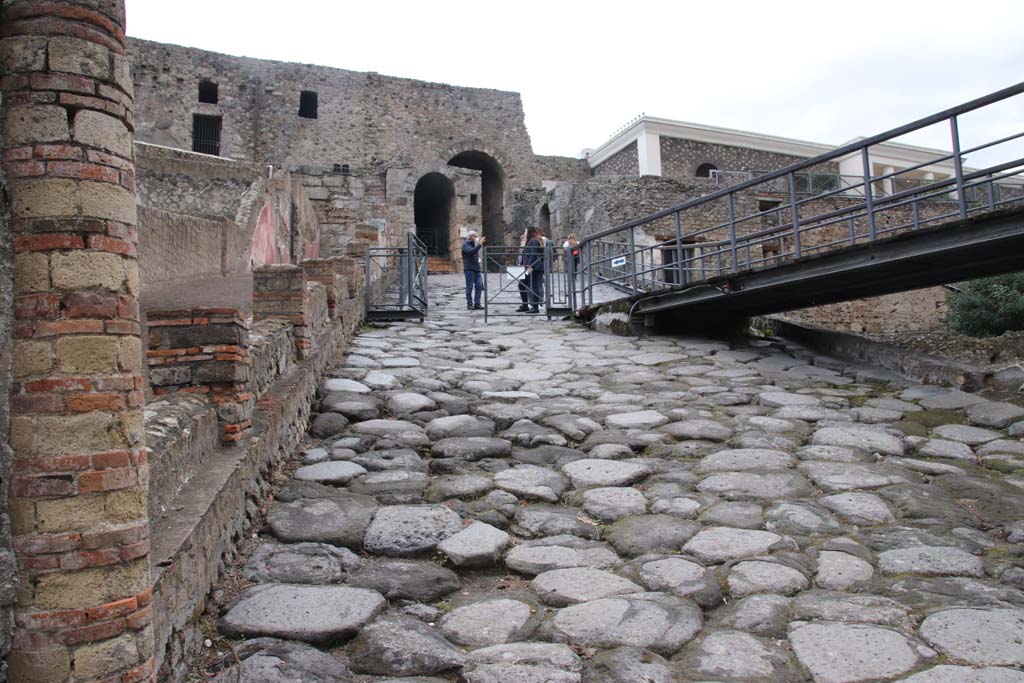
988 306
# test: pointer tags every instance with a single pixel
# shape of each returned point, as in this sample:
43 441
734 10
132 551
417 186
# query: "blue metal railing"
809 212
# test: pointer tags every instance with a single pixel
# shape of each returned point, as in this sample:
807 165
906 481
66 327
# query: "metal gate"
396 281
507 284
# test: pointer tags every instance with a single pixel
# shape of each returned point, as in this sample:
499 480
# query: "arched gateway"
432 209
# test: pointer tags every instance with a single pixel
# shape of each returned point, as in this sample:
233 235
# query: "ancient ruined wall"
681 158
918 310
196 184
554 168
365 120
625 162
8 565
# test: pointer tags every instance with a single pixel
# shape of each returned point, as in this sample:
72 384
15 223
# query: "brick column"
79 492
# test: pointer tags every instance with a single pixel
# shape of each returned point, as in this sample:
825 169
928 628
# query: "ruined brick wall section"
364 120
681 158
916 311
79 491
625 162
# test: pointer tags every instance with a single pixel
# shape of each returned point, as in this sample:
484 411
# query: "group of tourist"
530 258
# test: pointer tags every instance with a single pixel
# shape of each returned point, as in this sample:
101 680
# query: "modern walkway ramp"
809 235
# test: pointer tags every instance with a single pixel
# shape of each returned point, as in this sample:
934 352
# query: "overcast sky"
819 71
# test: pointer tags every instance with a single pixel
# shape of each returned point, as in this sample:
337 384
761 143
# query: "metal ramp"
396 281
806 235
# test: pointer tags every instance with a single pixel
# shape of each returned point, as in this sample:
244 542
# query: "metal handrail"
872 206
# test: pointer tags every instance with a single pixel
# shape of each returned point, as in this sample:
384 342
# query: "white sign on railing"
618 262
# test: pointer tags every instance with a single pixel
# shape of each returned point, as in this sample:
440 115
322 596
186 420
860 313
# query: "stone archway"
492 190
432 211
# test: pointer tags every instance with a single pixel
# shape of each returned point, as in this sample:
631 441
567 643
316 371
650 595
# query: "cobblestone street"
532 502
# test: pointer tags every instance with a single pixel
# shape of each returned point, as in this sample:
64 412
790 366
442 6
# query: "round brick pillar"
79 494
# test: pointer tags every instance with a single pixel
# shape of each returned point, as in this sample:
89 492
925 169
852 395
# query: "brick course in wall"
79 491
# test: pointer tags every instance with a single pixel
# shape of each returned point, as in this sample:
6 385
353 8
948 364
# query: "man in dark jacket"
471 268
533 259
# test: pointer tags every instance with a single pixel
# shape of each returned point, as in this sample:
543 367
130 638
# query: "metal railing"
507 285
726 231
396 281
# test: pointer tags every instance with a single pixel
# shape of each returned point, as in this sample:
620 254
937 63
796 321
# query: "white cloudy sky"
821 71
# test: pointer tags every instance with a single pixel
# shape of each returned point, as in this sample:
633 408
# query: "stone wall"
625 162
680 158
8 565
177 246
364 120
916 311
195 184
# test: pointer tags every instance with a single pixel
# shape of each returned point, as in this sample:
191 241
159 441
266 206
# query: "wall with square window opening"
307 104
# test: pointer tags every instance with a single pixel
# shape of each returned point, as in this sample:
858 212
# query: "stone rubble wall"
178 246
8 564
681 158
916 311
625 162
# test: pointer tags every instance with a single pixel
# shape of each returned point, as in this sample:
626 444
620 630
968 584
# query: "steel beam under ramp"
987 245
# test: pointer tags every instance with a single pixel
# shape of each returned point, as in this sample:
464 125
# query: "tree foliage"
989 306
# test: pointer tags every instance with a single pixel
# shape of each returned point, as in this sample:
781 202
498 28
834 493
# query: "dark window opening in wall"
472 200
344 169
704 170
208 92
206 134
307 104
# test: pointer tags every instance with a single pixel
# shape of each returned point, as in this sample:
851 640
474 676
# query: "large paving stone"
559 552
720 544
851 653
836 476
780 399
353 406
385 427
734 514
735 656
269 660
462 486
471 448
655 621
463 426
859 508
707 430
561 587
334 472
643 534
842 571
738 459
994 414
972 436
765 615
341 519
853 608
641 419
392 487
534 521
402 646
800 518
326 425
756 576
407 530
770 485
478 545
523 663
950 400
947 673
531 482
610 503
988 637
314 614
407 580
594 472
490 622
930 561
316 563
406 403
859 437
333 385
678 576
627 665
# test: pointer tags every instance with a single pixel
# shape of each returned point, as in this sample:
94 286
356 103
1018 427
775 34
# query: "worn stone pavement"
533 502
